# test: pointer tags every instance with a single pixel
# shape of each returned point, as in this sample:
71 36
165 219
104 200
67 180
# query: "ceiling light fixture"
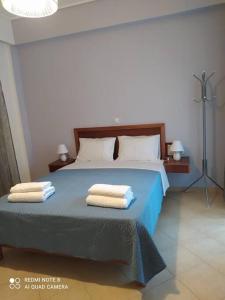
31 8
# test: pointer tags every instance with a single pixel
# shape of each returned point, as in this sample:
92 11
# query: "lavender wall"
139 72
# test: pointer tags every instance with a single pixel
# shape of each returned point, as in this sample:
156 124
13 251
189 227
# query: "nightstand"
55 165
177 166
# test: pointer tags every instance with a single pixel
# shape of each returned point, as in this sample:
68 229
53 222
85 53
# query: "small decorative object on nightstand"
55 165
176 148
63 152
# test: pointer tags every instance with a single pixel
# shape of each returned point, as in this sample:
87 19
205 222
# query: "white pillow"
96 149
139 148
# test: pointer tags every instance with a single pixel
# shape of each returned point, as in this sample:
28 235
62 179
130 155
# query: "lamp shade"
177 147
62 149
31 8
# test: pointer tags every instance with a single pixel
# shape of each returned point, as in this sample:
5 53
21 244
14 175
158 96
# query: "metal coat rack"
204 176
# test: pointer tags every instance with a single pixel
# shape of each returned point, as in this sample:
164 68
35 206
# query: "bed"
65 225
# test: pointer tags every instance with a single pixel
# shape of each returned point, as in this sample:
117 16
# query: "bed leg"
1 253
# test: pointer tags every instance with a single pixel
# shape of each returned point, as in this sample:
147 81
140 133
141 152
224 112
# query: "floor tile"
180 260
205 282
76 290
13 294
208 224
98 292
204 247
163 276
163 241
182 232
217 261
218 234
170 290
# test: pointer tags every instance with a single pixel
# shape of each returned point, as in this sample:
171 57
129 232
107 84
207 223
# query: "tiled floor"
190 238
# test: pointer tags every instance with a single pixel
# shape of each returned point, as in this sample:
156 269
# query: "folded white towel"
111 190
107 201
30 187
32 196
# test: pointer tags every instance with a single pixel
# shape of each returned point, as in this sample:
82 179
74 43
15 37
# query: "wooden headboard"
114 131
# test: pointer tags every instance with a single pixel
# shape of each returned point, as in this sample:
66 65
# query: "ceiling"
105 13
62 4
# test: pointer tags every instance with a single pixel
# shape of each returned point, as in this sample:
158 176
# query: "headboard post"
130 130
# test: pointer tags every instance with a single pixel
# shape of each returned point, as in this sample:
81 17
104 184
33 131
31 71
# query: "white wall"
139 72
12 103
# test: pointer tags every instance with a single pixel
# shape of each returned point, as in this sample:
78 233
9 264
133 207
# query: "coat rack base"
205 178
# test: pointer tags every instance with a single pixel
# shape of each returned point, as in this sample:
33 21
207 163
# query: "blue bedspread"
65 224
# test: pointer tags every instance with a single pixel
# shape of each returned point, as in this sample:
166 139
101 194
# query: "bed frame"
112 131
115 131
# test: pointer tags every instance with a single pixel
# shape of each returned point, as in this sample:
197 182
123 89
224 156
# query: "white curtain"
9 174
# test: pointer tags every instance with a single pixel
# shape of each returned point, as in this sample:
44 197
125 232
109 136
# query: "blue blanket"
64 224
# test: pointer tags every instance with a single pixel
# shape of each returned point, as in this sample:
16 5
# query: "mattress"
65 224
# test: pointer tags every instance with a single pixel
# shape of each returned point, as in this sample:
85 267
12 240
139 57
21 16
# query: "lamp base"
176 156
63 157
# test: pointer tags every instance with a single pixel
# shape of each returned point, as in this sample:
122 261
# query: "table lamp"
176 148
62 151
